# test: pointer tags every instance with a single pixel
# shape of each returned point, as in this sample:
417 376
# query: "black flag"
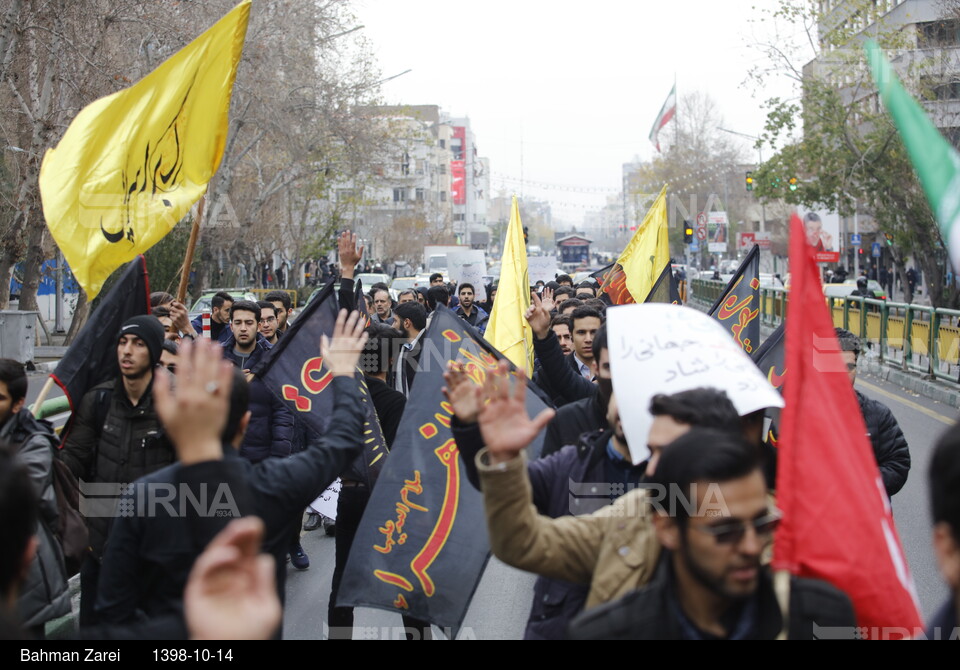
422 544
738 307
92 357
770 358
666 289
293 370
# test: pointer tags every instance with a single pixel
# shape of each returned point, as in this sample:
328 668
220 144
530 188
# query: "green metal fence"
911 337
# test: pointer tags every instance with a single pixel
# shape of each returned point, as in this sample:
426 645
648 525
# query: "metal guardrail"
918 338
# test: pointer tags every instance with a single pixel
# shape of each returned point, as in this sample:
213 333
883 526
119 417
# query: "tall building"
469 184
927 57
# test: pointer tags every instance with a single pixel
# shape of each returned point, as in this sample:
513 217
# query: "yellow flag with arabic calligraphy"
643 260
508 329
133 163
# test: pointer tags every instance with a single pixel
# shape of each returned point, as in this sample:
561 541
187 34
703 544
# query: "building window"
443 168
443 196
443 144
405 164
459 217
399 194
939 34
420 194
421 166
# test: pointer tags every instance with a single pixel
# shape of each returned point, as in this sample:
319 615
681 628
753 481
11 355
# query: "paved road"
922 421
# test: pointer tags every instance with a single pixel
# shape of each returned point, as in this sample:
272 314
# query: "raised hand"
232 590
462 394
538 317
342 351
546 299
349 253
504 424
194 411
181 319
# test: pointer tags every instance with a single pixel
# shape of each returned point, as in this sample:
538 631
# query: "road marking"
909 403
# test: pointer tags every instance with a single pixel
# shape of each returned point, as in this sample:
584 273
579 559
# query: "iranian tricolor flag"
667 112
936 162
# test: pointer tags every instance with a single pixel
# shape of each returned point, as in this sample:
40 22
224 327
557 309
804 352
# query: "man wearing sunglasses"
713 522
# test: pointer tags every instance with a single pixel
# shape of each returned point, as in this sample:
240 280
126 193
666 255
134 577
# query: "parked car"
203 303
846 288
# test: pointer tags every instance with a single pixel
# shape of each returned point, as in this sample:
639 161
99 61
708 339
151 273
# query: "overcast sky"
563 93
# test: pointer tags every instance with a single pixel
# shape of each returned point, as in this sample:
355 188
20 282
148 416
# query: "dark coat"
149 557
478 319
563 379
225 333
573 420
270 433
889 444
647 614
555 602
43 594
130 444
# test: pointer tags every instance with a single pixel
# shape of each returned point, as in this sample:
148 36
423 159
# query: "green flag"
937 163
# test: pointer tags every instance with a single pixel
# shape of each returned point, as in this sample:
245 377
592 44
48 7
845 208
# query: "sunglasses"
733 532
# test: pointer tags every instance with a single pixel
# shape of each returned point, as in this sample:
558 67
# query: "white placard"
326 502
666 349
467 267
718 247
541 268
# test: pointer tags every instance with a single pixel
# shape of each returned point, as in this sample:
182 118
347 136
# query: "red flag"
837 522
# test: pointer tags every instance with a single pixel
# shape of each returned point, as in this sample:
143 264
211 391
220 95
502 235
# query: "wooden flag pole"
188 259
44 392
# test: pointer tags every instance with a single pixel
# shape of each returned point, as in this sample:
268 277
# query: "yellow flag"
132 164
643 260
508 329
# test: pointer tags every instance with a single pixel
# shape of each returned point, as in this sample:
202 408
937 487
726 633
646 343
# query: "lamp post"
763 209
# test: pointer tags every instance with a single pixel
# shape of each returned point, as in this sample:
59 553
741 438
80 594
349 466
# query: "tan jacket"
615 549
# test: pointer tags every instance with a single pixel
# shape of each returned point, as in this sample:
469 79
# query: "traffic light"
526 233
687 232
794 183
775 183
889 239
749 181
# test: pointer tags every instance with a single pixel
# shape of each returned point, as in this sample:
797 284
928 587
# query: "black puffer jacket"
128 445
889 444
270 433
43 594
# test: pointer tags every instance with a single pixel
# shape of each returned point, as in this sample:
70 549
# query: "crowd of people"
187 413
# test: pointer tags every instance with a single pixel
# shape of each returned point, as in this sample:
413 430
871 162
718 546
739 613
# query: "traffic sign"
702 219
855 239
694 247
701 232
876 249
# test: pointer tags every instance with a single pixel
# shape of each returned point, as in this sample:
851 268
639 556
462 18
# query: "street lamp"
763 209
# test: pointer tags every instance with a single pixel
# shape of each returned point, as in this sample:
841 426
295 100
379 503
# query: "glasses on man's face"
732 532
269 319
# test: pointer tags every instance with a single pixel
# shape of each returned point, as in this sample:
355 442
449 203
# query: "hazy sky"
563 93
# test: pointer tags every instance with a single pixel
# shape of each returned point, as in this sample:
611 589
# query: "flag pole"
781 587
44 392
191 245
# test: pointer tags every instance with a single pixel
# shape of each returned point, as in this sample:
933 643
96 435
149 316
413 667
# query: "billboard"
823 233
458 182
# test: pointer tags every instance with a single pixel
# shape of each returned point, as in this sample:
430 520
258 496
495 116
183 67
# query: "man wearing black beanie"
116 438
